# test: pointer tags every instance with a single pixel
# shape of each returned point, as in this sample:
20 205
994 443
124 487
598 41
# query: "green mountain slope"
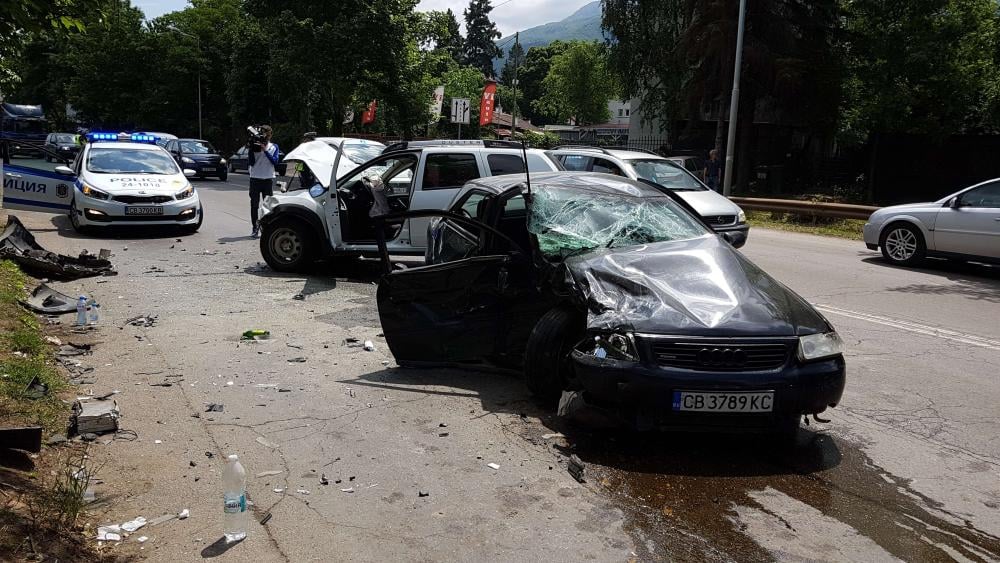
584 24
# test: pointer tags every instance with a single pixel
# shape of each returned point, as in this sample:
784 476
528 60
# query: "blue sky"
512 16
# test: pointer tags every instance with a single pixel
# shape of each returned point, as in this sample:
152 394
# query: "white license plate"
157 210
208 168
710 401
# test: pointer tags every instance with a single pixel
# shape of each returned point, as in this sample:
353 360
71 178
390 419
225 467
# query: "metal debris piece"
422 494
576 468
493 466
347 490
299 360
214 407
323 480
265 519
299 297
142 320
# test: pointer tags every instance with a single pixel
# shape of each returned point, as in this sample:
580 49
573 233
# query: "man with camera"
263 155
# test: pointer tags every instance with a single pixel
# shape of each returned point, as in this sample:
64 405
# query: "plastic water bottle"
95 312
81 310
234 482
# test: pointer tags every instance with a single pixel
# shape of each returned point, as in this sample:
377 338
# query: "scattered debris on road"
183 514
493 466
133 525
95 416
18 245
46 301
269 473
264 442
265 519
214 407
299 360
576 468
369 346
35 389
256 334
422 494
109 533
142 320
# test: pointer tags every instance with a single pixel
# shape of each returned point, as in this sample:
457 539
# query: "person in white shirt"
262 158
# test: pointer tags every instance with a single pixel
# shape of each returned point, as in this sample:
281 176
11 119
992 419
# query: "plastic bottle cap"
233 457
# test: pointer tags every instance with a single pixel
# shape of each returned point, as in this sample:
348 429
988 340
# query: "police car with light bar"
116 179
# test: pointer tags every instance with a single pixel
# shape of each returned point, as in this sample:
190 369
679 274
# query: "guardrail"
807 208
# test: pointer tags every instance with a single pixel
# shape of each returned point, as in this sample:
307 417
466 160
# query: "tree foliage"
578 85
480 32
536 67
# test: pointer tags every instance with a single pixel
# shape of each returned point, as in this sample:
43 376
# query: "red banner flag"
369 114
486 104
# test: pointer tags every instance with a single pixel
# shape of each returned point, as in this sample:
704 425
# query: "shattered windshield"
571 221
665 173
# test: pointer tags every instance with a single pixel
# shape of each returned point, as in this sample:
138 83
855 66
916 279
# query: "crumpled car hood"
697 287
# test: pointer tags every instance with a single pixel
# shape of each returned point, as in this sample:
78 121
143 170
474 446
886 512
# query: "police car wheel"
287 245
74 219
223 176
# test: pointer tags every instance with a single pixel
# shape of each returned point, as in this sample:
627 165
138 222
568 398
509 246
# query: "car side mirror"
955 202
734 239
188 173
63 170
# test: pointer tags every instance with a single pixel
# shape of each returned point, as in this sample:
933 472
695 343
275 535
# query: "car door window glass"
983 196
576 162
607 167
396 174
501 164
444 171
473 205
451 241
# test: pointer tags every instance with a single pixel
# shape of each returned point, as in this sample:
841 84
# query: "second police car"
122 179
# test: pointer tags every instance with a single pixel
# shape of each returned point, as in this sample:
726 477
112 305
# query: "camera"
256 139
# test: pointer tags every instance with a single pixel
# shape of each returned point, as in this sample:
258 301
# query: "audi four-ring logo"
722 357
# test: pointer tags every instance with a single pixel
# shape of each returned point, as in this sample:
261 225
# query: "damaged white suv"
323 217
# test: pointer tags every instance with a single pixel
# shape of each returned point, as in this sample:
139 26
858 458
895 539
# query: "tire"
786 431
81 229
902 244
223 175
232 168
288 245
192 229
547 367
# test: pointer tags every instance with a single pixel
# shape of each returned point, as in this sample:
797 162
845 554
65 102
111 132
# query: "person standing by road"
713 169
262 156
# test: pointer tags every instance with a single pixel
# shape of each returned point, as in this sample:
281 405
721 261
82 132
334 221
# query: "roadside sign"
460 110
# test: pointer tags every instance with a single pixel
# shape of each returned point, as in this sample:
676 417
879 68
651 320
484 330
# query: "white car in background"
963 226
724 216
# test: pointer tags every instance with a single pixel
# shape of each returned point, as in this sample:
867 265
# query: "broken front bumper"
645 392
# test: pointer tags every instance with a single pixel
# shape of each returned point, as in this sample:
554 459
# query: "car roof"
190 139
589 181
353 140
125 145
624 154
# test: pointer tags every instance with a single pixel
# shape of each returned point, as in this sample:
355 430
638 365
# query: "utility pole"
734 104
513 111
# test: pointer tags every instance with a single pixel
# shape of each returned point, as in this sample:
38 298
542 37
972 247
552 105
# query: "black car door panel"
444 313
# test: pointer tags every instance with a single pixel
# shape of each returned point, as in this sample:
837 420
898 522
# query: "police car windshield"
130 161
360 154
197 147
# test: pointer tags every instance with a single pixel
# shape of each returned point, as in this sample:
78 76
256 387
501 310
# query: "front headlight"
741 217
615 346
222 161
819 346
93 192
185 193
187 160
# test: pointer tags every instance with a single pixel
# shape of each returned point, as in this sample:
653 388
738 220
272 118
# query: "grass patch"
842 228
24 356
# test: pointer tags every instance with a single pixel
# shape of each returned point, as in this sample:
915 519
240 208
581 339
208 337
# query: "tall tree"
515 62
535 69
480 34
450 35
579 85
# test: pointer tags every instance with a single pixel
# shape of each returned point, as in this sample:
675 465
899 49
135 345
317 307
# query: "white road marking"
917 328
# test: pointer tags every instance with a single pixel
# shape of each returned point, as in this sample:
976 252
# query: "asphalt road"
907 468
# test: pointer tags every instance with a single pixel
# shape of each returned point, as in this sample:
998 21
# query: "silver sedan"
964 225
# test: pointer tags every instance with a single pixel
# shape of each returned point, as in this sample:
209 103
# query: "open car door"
450 312
34 185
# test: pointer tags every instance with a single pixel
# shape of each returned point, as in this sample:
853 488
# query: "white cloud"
516 15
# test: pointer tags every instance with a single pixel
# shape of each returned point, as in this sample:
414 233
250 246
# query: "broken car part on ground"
611 287
18 244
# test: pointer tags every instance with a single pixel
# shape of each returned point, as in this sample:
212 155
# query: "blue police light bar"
142 138
93 137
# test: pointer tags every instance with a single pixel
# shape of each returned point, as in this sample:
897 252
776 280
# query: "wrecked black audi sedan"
615 291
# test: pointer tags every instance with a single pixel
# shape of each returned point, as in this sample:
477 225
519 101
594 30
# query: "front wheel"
902 244
547 367
287 245
232 168
74 219
223 175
